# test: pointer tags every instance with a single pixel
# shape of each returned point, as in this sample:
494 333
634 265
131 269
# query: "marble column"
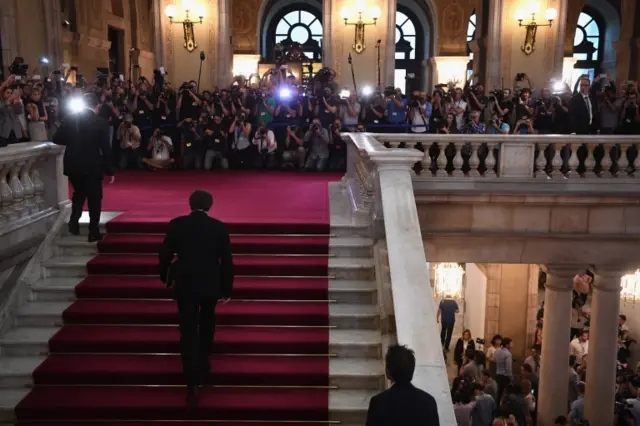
603 338
53 25
224 48
158 33
8 32
327 23
389 64
492 46
560 27
412 295
554 392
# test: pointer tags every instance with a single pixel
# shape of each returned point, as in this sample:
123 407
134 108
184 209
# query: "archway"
281 21
588 44
414 39
471 35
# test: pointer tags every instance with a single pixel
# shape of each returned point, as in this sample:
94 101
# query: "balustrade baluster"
441 161
16 188
606 163
589 162
556 162
574 162
623 162
490 161
474 160
6 195
38 184
541 163
27 185
458 161
636 162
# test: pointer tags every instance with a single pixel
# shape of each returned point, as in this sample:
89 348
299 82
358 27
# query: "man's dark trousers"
87 188
445 334
197 324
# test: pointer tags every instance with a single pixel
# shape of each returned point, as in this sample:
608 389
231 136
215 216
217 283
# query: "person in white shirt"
580 345
419 112
265 141
350 111
160 146
458 107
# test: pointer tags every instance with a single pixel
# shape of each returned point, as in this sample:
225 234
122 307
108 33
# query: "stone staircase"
356 370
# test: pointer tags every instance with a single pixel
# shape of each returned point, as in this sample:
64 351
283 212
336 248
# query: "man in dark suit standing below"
87 158
583 111
402 404
201 276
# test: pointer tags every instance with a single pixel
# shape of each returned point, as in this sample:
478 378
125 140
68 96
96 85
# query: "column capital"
607 277
560 276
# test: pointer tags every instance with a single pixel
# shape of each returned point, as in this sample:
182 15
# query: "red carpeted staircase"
116 356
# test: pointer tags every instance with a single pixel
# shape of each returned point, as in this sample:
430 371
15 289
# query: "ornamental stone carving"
244 18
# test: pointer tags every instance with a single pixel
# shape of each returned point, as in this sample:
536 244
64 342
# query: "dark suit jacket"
403 405
204 264
458 352
579 115
88 148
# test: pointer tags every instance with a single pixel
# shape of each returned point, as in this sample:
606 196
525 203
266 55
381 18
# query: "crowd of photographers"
280 125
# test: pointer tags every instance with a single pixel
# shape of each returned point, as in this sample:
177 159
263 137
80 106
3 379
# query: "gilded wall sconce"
358 40
532 27
187 24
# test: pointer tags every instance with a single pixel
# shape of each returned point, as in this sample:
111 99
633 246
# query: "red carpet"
117 356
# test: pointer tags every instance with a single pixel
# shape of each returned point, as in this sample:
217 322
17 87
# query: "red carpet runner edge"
120 337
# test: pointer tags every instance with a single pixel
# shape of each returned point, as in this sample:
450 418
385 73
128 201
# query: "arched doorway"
296 23
471 35
410 50
588 44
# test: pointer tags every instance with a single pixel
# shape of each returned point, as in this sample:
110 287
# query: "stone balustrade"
521 156
31 183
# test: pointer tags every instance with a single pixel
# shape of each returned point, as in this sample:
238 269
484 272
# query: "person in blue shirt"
524 127
396 108
497 126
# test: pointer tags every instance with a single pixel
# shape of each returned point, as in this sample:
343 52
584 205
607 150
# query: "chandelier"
630 287
448 280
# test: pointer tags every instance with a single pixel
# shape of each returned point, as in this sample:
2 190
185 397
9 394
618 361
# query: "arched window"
297 24
588 44
409 48
471 35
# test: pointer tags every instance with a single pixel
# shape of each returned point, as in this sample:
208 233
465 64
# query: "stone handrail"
379 182
520 156
31 183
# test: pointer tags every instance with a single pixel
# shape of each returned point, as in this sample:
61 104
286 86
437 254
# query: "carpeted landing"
116 356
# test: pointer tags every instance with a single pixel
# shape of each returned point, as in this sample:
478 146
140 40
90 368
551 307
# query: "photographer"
160 146
458 107
497 126
293 151
190 145
10 109
162 110
350 111
129 136
419 113
337 148
373 111
610 109
543 113
475 96
317 141
522 109
437 120
396 107
36 116
266 106
630 115
108 111
240 130
188 104
214 143
524 127
327 108
474 126
308 102
265 142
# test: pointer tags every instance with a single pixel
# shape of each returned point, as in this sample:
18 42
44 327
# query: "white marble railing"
521 156
31 183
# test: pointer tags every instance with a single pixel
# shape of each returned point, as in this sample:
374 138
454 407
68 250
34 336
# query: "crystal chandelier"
630 287
448 280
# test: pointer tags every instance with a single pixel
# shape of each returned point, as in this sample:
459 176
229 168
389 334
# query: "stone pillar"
389 39
225 48
603 338
412 295
53 25
8 32
159 33
492 49
327 23
554 379
560 29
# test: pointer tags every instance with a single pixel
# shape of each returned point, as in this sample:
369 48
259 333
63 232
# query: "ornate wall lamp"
187 24
532 27
358 40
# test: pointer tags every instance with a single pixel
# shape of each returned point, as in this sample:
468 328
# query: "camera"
142 94
389 91
314 127
521 76
480 341
496 96
128 124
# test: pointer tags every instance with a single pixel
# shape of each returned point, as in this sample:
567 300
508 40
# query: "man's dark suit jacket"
88 148
403 405
579 115
204 265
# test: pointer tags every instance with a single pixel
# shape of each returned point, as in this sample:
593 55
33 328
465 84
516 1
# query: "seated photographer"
337 148
214 144
129 136
241 150
419 113
265 142
293 151
160 146
190 145
497 126
524 127
396 109
317 141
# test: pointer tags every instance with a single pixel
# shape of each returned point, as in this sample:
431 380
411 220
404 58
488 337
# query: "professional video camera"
496 95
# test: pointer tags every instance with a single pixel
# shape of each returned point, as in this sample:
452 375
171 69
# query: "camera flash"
367 90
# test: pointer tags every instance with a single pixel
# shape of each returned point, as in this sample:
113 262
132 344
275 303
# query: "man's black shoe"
192 395
95 237
74 228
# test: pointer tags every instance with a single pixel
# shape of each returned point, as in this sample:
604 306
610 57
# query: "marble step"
342 291
342 316
71 245
345 373
33 341
347 229
339 268
347 406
